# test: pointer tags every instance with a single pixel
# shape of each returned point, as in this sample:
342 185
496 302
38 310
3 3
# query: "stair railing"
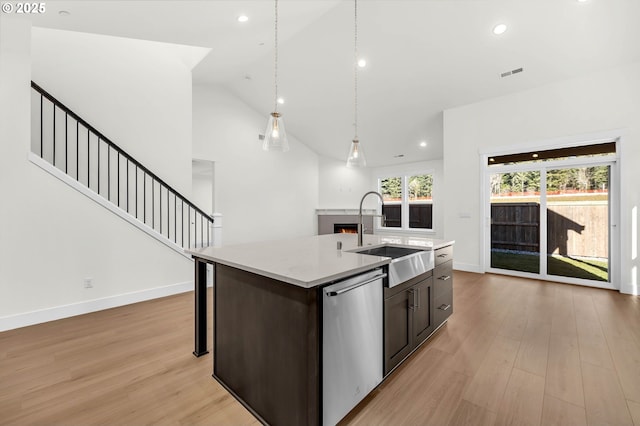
69 143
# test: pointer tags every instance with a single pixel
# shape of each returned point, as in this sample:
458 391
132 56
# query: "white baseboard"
467 267
65 311
630 289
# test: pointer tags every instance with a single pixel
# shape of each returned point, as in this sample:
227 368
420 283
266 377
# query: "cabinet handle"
354 286
444 277
412 302
443 255
444 307
418 297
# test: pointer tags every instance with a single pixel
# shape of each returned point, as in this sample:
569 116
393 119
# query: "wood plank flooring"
515 351
520 352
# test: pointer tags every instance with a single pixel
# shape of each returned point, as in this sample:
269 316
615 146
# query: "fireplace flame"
348 231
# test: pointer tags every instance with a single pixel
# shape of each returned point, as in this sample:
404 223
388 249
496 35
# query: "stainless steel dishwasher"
352 343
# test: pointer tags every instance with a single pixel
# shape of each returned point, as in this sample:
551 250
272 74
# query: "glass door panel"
578 222
515 221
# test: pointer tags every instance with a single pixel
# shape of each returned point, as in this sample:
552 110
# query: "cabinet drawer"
443 278
443 308
443 254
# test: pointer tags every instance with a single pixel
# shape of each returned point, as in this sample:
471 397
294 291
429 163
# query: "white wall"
262 195
342 187
52 237
137 93
591 104
202 192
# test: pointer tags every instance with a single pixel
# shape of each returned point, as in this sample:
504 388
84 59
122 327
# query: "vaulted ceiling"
423 56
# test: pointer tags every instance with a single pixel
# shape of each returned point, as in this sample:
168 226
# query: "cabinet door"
423 313
398 329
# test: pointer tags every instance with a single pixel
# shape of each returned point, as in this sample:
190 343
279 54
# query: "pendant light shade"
356 155
275 136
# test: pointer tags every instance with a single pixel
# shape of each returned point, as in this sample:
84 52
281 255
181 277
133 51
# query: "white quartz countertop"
310 261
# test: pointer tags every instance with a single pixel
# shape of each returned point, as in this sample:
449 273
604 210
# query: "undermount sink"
406 262
389 251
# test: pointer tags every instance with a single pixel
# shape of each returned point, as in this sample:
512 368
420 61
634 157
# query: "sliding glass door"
578 222
551 219
515 221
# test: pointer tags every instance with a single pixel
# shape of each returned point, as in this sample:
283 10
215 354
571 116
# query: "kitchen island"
268 320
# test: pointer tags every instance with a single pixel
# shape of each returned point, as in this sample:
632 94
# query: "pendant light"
275 136
356 155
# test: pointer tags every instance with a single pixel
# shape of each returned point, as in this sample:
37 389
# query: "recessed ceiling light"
534 155
280 101
423 144
243 18
362 63
499 29
492 159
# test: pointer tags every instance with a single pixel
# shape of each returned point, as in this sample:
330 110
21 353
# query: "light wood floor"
515 351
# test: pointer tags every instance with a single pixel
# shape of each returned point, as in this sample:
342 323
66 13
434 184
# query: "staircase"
73 150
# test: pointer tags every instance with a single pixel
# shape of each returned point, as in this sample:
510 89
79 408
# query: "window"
408 201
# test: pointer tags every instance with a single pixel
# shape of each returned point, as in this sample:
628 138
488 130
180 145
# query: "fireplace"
331 221
345 228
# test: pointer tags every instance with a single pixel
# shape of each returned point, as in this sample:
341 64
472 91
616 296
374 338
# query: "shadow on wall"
558 234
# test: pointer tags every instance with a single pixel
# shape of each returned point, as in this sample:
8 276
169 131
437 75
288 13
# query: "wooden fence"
573 229
420 215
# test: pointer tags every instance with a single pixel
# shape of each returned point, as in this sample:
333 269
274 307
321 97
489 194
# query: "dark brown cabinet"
408 318
423 323
443 285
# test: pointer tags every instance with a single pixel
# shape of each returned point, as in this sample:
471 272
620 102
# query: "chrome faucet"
360 215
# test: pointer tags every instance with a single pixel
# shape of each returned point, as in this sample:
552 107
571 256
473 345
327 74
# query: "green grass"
556 265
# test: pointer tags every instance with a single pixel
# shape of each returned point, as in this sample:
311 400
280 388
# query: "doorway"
550 216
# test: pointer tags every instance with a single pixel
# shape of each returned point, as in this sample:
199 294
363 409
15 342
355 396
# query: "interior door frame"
614 212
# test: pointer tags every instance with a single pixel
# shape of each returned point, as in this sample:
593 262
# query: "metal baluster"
54 134
136 191
66 148
160 205
175 218
88 160
182 219
127 185
41 128
98 164
108 172
77 150
153 205
118 177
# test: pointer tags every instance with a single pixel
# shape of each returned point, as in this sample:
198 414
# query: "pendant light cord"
275 73
355 69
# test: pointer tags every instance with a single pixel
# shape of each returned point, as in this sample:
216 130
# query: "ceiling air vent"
508 73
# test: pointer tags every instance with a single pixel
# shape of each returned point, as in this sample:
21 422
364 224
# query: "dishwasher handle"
354 286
